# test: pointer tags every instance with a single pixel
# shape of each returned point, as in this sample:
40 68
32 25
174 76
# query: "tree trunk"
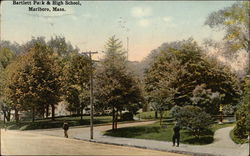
156 114
53 112
113 118
8 115
33 114
4 116
16 115
116 117
160 118
81 111
47 111
43 112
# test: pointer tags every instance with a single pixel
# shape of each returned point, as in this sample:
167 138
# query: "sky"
146 24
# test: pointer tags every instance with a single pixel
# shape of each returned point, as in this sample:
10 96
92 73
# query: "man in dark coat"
176 136
66 128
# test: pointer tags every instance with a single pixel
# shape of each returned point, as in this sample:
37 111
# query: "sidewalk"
222 145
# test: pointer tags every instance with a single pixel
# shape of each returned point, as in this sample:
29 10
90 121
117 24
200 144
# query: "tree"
13 47
76 88
242 129
62 48
116 88
34 81
6 56
181 66
206 99
159 80
234 20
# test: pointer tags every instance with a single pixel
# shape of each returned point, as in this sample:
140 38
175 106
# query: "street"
27 143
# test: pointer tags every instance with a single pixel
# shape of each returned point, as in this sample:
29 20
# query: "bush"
127 116
242 128
174 112
193 118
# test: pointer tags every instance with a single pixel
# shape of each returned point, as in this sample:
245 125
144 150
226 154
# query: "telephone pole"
89 54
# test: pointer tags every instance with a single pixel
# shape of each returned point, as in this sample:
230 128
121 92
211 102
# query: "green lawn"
155 132
57 123
151 115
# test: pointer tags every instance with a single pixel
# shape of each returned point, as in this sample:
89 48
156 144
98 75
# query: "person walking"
65 128
176 136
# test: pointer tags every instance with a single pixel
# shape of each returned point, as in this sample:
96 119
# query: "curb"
149 148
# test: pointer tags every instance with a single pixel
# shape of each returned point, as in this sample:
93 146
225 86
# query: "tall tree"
35 82
193 69
6 57
159 80
76 75
116 87
62 48
235 21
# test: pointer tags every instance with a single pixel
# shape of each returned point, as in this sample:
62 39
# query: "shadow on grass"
206 137
203 140
132 132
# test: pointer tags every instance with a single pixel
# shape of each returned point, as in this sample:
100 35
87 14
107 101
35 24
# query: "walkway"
27 143
223 145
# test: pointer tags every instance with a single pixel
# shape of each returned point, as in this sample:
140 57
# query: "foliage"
179 68
174 112
242 128
6 57
193 118
127 116
13 47
62 48
236 139
34 80
116 87
229 109
76 82
206 99
235 21
159 81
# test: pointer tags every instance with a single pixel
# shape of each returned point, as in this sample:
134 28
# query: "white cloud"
144 22
141 11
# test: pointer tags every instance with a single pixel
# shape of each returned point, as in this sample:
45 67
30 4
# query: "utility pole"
91 92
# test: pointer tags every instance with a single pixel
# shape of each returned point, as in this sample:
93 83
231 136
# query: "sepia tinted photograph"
96 77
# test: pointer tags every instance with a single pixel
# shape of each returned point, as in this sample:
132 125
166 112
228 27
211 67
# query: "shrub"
242 128
174 112
193 118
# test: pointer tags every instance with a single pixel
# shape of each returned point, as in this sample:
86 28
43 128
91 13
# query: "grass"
156 132
57 123
236 139
215 127
151 115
